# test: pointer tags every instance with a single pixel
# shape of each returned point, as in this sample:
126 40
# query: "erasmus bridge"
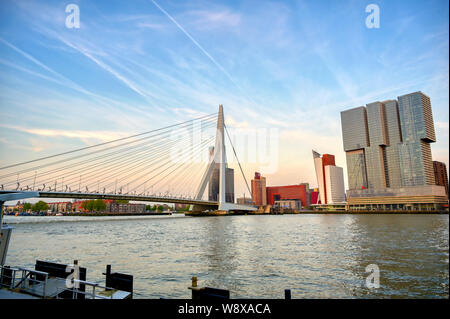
166 165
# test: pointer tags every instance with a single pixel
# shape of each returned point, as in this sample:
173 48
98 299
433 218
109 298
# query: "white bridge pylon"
219 157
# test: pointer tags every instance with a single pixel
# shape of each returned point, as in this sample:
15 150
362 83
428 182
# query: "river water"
316 256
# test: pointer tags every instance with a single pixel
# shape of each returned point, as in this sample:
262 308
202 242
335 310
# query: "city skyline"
159 62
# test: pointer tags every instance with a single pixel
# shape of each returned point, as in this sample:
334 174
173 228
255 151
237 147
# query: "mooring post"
108 277
287 293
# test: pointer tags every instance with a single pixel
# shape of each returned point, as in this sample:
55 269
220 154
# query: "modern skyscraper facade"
417 129
387 146
356 138
330 179
440 175
334 180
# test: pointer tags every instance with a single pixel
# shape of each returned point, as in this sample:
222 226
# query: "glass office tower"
387 144
356 138
416 121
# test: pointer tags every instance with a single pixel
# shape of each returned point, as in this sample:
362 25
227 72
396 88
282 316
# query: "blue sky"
137 65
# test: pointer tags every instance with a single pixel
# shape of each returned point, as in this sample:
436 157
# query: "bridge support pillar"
219 157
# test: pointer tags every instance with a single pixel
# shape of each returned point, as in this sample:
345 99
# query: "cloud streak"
103 136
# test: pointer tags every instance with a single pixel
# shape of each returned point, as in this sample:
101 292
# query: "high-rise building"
334 180
416 121
259 190
213 185
440 175
330 179
387 147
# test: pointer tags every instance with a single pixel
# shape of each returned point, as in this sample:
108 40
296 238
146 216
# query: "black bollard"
287 293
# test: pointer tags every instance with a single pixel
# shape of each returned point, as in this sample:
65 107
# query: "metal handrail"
75 291
25 278
20 277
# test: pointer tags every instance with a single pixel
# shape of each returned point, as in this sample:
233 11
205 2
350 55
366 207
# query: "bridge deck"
142 198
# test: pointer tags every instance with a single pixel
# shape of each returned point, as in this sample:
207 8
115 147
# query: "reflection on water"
316 256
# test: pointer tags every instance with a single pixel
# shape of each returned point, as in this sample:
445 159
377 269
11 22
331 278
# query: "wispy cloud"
150 25
213 19
83 135
104 66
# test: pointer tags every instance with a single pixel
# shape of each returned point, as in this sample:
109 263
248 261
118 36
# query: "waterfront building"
60 207
244 201
388 151
263 195
334 180
179 206
314 196
330 179
115 207
259 192
440 175
14 208
293 204
289 192
308 195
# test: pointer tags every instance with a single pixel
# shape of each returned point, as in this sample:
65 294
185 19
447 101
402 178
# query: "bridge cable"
234 151
101 144
161 145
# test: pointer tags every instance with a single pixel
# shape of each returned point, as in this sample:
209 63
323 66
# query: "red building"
327 159
440 175
314 197
259 190
298 192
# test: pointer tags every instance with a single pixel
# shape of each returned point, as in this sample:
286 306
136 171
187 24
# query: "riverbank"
116 214
313 212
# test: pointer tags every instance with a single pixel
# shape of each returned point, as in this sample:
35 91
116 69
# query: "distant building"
114 207
293 204
244 201
289 192
440 175
259 194
308 195
267 195
60 207
14 208
387 146
213 185
334 181
330 179
314 196
179 206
